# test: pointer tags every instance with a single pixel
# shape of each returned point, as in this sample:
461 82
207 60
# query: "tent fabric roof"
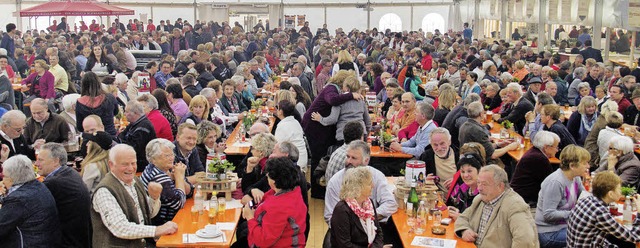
75 8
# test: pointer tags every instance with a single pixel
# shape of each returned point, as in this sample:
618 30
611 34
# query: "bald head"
257 128
92 124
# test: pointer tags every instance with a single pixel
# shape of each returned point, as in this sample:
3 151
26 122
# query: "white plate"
203 233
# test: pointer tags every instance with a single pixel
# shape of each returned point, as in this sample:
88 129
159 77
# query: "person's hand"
512 146
220 147
495 117
38 144
166 229
154 190
245 199
636 199
241 115
469 235
403 140
251 163
395 146
247 212
447 183
316 116
24 88
4 153
357 96
453 212
612 160
530 116
179 170
257 195
3 190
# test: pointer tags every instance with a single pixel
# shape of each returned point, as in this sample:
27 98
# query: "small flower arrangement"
248 120
628 191
507 124
256 104
218 166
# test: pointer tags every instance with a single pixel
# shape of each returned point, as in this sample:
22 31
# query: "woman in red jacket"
280 219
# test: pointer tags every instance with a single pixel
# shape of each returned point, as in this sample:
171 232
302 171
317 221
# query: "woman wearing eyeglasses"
623 161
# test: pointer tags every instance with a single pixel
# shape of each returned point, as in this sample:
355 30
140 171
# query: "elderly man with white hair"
520 107
69 114
534 167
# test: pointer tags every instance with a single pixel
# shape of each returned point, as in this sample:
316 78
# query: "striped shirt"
171 199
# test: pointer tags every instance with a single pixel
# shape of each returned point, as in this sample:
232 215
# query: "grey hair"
392 80
121 78
295 80
505 76
39 101
354 181
57 151
475 109
19 168
499 175
583 85
606 108
207 92
69 100
362 146
288 148
118 150
544 138
430 86
238 79
154 147
622 143
149 100
426 110
494 86
440 130
579 72
515 87
264 143
135 107
473 97
12 115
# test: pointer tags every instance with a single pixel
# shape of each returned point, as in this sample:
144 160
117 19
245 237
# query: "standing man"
8 42
467 33
298 71
498 217
121 208
70 193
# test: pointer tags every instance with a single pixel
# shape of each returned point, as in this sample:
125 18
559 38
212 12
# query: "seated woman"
261 147
303 100
95 164
208 135
289 129
231 101
559 193
463 191
395 111
40 82
353 110
177 103
165 109
590 223
354 222
471 85
534 167
614 122
412 82
162 170
446 101
280 219
198 110
623 161
550 118
581 122
584 90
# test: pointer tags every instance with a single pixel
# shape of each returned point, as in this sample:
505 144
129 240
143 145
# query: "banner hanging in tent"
565 5
289 21
553 10
634 13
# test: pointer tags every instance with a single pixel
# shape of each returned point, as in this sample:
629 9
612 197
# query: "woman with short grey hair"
623 161
161 169
579 74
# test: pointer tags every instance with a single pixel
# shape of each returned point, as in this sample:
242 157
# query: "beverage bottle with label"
198 199
626 213
421 218
413 197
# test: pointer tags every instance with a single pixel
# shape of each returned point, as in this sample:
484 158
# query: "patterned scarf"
363 212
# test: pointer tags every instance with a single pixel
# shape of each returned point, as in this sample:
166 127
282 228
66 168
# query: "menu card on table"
433 242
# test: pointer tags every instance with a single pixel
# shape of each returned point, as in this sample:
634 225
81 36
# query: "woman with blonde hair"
520 71
95 164
354 222
446 101
198 110
582 121
345 62
207 142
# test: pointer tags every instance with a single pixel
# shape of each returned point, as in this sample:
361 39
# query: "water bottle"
626 213
198 199
421 217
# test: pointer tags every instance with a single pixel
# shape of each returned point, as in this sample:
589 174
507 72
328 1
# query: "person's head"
614 120
149 102
122 162
17 169
469 166
424 113
514 92
229 87
535 84
174 90
491 90
10 28
258 128
40 66
440 141
600 91
187 136
166 66
91 86
358 154
13 123
584 89
551 88
575 160
606 186
353 130
549 113
133 111
357 184
472 77
199 106
447 98
285 109
620 145
262 144
282 174
285 149
475 110
408 101
39 110
92 124
588 105
208 133
492 182
547 142
159 152
51 156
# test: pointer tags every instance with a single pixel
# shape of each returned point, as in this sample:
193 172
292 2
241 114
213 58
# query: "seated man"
520 107
185 150
473 131
498 217
415 146
352 131
534 167
441 157
409 108
44 126
138 133
11 127
70 193
122 209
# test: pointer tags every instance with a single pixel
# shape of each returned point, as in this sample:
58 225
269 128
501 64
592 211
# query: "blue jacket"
28 217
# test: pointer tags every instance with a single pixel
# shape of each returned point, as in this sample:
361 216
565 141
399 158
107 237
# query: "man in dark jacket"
521 107
70 193
632 113
186 151
590 52
139 132
440 147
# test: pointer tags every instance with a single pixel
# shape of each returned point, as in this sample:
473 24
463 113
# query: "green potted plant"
257 104
218 168
628 191
248 120
385 139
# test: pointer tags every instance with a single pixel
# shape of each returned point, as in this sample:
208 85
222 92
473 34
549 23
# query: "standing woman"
98 61
345 62
289 130
354 222
94 100
165 109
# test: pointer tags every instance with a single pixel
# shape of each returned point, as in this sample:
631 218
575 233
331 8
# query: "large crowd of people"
432 89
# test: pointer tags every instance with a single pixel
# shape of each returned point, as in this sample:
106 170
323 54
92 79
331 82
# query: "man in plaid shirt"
353 130
590 221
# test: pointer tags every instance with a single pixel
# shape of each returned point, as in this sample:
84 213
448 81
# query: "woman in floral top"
465 186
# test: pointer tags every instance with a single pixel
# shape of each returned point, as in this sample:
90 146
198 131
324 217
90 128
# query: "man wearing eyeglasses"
11 127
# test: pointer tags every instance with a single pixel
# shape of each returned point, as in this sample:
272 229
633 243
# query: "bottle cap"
413 184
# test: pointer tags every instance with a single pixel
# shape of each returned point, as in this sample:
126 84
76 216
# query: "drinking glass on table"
213 210
195 212
222 205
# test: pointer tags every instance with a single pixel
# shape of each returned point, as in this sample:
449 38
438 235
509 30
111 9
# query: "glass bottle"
626 213
421 218
198 199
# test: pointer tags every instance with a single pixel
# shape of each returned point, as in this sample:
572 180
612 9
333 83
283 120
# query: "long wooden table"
233 138
517 154
185 226
377 152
